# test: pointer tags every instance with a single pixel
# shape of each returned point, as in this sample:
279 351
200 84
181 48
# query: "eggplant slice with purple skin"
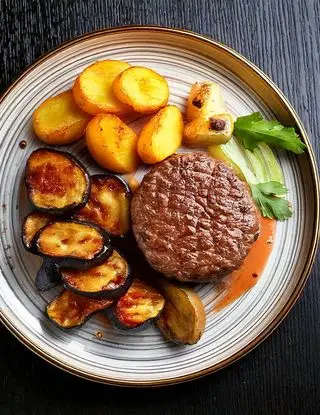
108 205
69 310
56 182
31 225
73 244
141 304
111 279
48 275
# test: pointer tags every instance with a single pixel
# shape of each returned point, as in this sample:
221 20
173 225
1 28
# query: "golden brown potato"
205 99
92 89
58 120
214 130
161 136
143 89
183 318
112 144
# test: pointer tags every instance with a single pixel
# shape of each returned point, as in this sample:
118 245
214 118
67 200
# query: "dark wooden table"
281 376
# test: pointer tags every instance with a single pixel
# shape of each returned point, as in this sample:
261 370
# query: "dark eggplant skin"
79 215
30 246
69 209
73 262
107 293
48 275
112 312
78 304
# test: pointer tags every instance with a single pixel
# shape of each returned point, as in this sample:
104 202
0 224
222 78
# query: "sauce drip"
241 280
23 144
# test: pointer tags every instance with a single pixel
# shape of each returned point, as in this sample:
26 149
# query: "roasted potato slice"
214 130
92 89
205 99
112 144
141 88
183 318
161 136
58 120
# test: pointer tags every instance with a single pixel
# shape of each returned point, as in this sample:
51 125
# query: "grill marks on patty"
193 218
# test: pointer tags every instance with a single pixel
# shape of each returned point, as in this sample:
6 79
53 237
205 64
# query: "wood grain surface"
281 376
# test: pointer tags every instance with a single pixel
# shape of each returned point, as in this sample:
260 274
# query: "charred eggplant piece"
108 205
31 225
111 279
48 275
138 307
56 182
70 310
73 244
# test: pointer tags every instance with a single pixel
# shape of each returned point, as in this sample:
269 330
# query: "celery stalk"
258 166
233 155
272 165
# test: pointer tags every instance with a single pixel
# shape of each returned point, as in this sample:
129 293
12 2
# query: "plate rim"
315 236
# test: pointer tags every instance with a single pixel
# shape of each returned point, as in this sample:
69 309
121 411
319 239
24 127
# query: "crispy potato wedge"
92 89
205 99
161 136
58 120
141 88
183 318
112 144
214 130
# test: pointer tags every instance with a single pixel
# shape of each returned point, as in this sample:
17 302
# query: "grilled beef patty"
193 218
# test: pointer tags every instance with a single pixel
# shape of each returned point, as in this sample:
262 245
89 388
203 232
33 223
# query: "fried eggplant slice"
73 244
108 205
31 225
183 318
56 182
48 275
69 310
111 279
141 304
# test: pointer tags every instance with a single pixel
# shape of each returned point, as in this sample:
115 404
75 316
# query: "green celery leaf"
271 206
272 188
253 129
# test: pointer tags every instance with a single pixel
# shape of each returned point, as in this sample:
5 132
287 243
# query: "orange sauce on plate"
244 278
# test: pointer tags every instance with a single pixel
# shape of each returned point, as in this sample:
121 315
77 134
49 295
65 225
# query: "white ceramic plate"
146 358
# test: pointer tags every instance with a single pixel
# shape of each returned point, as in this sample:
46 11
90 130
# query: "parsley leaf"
266 195
253 129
